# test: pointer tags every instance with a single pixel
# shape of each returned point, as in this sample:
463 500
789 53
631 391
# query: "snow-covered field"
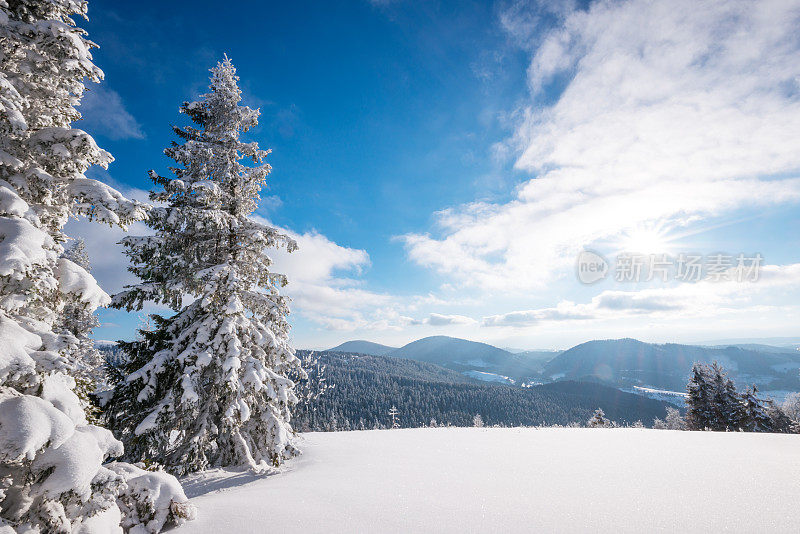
515 479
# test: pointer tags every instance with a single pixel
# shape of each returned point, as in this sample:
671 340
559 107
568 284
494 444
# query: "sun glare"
645 241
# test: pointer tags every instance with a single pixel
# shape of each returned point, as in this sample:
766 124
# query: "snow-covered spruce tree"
78 319
51 473
673 421
727 403
209 386
791 408
779 420
598 420
477 421
763 415
700 413
755 418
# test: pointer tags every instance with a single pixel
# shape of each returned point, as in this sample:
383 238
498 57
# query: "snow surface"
489 377
677 398
513 479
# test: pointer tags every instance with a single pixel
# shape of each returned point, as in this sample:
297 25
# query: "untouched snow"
515 479
489 377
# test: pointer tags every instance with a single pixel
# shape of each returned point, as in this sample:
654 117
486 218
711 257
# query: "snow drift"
514 479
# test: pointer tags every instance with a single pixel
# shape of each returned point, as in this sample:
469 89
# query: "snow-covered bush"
51 477
477 421
210 385
673 421
791 407
598 420
151 500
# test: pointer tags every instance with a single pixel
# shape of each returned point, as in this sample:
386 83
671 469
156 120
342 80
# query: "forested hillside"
366 387
628 362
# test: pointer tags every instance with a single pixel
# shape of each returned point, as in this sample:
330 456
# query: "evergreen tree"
673 421
778 419
78 319
791 408
728 409
756 418
51 473
700 414
477 421
598 420
210 385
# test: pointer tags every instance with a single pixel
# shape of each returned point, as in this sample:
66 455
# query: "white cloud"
565 310
319 272
687 300
324 287
104 113
438 319
672 112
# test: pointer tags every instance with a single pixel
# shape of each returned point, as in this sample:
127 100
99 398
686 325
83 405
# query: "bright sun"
645 241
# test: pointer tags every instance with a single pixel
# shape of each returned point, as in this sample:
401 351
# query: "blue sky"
442 164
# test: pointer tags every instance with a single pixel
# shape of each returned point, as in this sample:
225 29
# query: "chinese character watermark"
718 267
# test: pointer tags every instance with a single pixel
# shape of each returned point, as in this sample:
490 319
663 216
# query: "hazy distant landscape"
620 363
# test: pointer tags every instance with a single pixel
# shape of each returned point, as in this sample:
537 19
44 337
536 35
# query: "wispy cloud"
670 111
438 319
104 113
703 299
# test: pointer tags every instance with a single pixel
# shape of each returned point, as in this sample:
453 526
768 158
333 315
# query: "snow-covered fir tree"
726 401
756 418
477 421
673 421
791 408
52 477
78 319
598 420
700 412
779 421
209 386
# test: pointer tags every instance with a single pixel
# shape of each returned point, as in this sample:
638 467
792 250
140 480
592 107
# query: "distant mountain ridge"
360 346
476 359
628 362
622 363
444 349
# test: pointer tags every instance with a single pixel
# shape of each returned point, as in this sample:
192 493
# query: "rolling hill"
479 360
360 346
444 350
628 362
367 386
